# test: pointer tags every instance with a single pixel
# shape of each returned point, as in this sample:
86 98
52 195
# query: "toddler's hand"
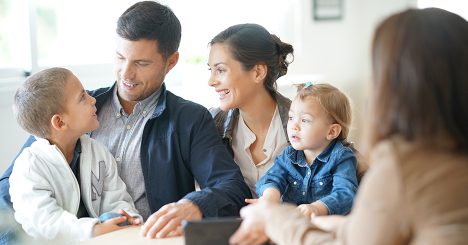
308 210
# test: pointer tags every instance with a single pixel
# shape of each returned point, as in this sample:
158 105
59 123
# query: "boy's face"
308 125
79 110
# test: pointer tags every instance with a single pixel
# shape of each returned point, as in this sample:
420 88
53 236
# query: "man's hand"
166 222
252 229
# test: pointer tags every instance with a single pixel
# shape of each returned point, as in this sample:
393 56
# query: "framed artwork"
327 10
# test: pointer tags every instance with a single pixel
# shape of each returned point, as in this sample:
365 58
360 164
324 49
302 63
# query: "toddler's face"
308 125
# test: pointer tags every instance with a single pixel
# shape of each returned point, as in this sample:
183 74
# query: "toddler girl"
318 171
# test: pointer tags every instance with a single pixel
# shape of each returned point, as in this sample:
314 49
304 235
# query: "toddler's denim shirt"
331 178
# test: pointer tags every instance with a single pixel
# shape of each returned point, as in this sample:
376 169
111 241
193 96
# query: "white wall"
11 135
337 51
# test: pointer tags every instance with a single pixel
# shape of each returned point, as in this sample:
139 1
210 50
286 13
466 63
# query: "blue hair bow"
307 84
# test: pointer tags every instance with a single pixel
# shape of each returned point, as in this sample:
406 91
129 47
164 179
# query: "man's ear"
172 61
260 72
56 122
334 131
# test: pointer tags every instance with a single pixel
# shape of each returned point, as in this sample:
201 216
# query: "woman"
415 190
245 60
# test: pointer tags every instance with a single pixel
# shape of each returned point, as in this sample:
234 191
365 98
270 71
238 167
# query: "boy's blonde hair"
38 99
333 101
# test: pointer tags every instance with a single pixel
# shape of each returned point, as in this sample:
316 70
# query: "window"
14 44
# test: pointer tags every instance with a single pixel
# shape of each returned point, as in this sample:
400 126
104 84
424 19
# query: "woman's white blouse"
275 143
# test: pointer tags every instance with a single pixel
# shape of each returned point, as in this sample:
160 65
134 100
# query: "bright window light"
14 44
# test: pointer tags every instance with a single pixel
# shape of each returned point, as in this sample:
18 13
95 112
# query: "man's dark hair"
152 21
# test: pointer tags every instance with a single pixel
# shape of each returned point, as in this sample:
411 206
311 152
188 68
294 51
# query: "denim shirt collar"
325 155
298 157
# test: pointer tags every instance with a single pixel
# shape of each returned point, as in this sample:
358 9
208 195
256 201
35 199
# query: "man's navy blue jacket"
180 144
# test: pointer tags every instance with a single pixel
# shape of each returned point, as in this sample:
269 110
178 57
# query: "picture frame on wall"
324 10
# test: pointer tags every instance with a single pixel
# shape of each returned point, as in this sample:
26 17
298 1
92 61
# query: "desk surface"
131 236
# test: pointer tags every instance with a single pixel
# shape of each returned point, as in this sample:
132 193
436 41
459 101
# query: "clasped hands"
255 217
166 222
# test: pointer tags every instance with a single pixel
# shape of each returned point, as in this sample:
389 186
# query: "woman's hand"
252 229
329 223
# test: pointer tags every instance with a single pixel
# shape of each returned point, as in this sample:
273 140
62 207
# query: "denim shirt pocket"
321 186
292 193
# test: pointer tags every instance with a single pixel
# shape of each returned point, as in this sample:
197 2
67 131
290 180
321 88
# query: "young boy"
64 180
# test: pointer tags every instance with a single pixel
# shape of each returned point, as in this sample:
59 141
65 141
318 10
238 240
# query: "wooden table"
131 236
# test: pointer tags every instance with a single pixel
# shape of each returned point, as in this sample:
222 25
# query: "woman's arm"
282 223
377 212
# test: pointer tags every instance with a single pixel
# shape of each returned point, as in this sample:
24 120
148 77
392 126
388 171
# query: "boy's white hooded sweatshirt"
46 195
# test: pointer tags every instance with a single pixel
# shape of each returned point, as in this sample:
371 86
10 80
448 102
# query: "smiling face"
141 69
309 126
79 108
234 85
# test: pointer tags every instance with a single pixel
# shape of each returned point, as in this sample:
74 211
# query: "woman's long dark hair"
420 72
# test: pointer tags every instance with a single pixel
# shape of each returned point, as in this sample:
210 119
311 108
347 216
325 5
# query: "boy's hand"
251 201
108 226
131 220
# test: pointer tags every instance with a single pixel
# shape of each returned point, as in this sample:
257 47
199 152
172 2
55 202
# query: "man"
161 142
